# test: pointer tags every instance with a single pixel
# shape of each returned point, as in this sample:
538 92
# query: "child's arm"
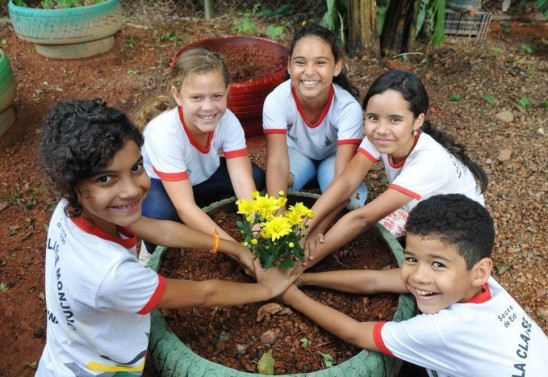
174 234
182 197
277 164
353 224
357 333
241 176
339 191
357 281
188 293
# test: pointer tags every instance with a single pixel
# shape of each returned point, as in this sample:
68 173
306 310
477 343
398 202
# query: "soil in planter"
248 63
231 336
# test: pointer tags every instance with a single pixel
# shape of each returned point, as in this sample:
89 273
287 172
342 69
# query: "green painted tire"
173 358
7 93
57 32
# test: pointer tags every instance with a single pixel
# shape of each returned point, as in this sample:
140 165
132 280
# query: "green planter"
173 358
69 33
7 93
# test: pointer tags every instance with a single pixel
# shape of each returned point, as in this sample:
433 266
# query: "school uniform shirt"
428 170
170 153
98 300
490 335
340 122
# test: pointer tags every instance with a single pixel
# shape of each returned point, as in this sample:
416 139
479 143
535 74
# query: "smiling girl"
195 149
312 122
420 161
98 297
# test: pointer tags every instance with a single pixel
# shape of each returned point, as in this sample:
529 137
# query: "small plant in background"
277 240
60 4
245 25
525 101
455 97
25 199
327 359
170 36
527 48
305 342
4 287
490 98
129 43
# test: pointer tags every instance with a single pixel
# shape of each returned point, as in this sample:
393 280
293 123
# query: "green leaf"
524 102
527 48
327 359
305 342
455 97
4 287
266 363
490 98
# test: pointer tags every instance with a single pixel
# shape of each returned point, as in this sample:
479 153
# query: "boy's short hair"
457 220
79 138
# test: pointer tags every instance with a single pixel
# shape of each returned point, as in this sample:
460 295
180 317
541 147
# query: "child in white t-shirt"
195 149
98 296
420 161
469 326
312 122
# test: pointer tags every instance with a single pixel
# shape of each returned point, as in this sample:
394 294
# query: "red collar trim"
90 228
400 164
482 296
324 111
191 138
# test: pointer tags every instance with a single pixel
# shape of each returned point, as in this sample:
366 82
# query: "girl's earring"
415 133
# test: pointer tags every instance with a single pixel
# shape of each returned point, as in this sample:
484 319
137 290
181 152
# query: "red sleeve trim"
270 131
172 176
238 153
405 191
349 141
156 296
368 155
377 338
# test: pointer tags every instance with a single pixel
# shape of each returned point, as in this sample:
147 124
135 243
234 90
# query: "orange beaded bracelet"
216 242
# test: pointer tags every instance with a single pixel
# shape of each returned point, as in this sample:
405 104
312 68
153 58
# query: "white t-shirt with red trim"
341 121
428 170
490 335
170 153
98 300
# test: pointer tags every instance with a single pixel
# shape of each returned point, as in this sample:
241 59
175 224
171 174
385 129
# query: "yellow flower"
266 206
245 207
254 241
291 245
277 227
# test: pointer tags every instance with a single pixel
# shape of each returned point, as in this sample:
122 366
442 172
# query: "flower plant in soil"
56 4
239 336
273 237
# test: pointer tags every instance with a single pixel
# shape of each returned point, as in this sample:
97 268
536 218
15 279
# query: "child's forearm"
357 333
357 281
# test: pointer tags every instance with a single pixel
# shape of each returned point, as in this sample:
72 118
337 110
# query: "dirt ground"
491 76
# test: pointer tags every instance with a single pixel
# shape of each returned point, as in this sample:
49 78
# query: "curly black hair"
457 220
79 138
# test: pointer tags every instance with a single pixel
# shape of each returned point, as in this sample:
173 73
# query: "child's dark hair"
414 92
336 48
197 60
456 220
79 138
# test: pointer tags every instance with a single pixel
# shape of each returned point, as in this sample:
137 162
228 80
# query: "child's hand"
275 279
246 260
312 243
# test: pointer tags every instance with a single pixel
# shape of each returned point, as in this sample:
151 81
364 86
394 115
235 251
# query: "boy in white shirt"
469 326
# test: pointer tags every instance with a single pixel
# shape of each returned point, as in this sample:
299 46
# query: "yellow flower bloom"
245 207
291 245
277 227
254 241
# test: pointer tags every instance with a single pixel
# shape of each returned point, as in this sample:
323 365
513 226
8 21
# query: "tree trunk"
363 38
397 34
